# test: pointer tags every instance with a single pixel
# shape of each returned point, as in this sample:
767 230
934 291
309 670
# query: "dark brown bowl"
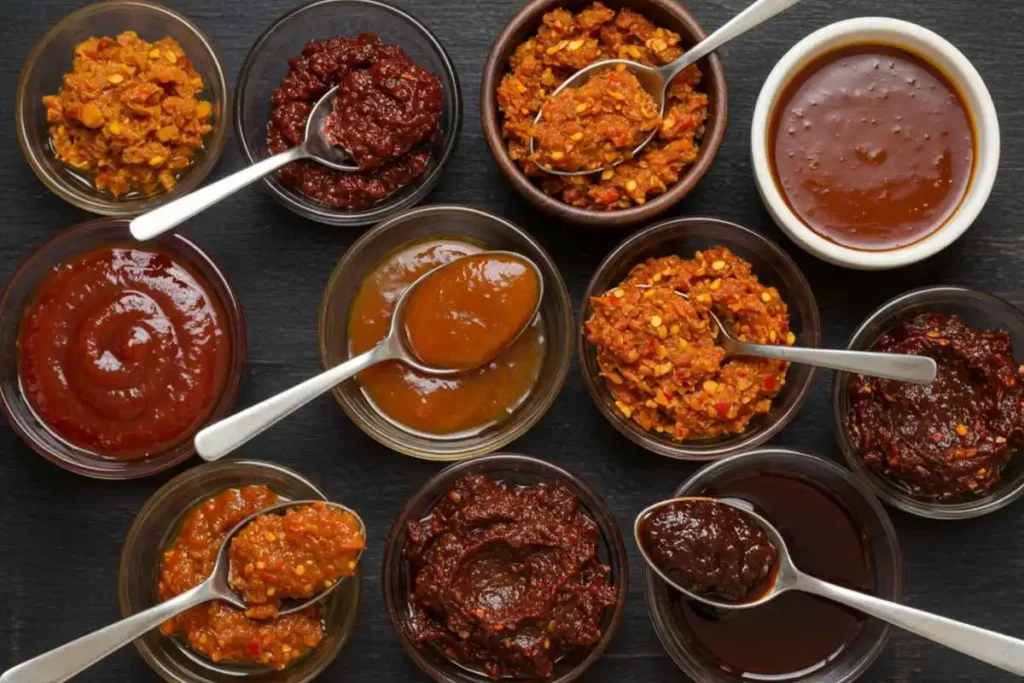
667 13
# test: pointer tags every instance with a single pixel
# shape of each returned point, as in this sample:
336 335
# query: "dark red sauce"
711 549
952 437
123 351
793 631
506 578
386 115
873 147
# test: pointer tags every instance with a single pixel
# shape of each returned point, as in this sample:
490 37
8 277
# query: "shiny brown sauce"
872 147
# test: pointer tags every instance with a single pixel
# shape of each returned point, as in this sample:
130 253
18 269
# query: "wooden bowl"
666 13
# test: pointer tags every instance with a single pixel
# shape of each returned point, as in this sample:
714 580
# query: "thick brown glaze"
386 114
793 631
215 629
295 555
431 404
711 549
950 438
506 578
463 315
872 146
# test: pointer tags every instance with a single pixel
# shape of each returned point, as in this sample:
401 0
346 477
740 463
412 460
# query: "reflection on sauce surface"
436 405
872 147
794 631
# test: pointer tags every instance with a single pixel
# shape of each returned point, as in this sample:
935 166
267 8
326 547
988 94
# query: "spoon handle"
170 215
994 648
220 438
757 13
904 367
68 660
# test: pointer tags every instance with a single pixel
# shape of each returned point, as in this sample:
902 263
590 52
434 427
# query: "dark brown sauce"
872 147
794 631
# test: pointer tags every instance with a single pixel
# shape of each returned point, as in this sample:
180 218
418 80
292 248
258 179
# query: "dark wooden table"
61 535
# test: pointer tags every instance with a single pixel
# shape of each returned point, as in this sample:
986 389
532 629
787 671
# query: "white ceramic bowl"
935 49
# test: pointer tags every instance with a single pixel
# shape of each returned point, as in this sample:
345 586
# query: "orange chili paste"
436 405
128 114
658 351
216 629
463 315
566 43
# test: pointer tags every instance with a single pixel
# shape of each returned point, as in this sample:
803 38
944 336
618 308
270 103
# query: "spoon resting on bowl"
455 318
656 80
226 582
901 367
317 145
690 542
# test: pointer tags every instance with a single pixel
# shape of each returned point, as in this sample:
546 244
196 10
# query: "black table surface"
61 534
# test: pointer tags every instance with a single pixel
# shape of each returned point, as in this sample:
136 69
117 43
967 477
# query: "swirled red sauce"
123 351
506 578
952 437
710 548
215 629
386 115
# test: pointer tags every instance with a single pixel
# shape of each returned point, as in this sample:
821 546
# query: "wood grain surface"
60 534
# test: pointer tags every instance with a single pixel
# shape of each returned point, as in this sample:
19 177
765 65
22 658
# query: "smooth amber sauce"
872 147
430 404
463 315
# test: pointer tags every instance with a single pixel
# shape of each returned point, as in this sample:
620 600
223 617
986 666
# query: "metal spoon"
655 80
222 437
994 648
902 367
68 660
315 146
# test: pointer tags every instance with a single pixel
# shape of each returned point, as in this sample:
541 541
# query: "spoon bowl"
315 146
220 438
66 661
988 646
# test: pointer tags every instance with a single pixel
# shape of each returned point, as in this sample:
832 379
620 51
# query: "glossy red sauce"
123 351
872 147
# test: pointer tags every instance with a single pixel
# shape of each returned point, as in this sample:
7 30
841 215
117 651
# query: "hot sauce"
123 351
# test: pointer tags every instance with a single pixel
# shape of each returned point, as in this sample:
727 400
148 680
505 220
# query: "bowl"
772 266
520 469
934 49
476 226
858 655
267 63
980 311
156 526
666 13
18 292
51 58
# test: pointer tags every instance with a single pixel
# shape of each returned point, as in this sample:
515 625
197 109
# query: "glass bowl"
520 469
980 311
19 290
490 232
155 527
267 63
772 266
859 654
43 75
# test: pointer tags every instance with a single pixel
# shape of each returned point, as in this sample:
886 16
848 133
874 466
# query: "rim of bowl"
394 553
171 489
193 176
889 313
234 323
678 450
717 123
934 49
891 537
383 209
557 289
